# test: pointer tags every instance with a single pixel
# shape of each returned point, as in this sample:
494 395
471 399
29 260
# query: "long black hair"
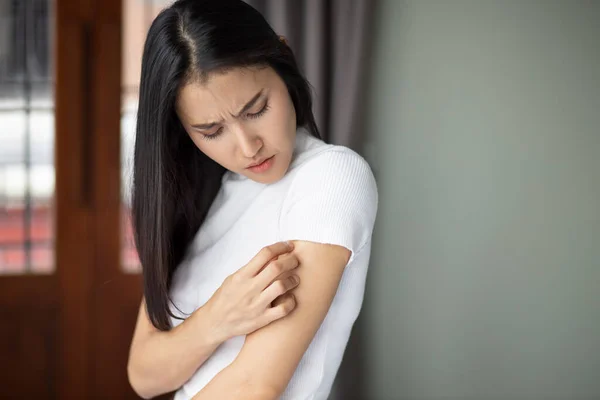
174 183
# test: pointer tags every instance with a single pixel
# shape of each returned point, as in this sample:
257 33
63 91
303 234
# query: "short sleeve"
333 199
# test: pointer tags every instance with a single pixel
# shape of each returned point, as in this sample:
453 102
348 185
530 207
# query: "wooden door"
45 216
67 306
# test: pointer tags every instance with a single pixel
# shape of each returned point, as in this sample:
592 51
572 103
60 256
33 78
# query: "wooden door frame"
74 209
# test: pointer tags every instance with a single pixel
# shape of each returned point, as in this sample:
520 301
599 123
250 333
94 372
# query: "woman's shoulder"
334 163
336 175
313 153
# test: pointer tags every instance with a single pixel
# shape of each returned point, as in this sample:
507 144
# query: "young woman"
228 167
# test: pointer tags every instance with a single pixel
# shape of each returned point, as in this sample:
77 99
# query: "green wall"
484 127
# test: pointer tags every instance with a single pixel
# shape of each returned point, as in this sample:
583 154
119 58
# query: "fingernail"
290 244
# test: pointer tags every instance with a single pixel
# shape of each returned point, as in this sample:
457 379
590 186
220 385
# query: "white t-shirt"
328 195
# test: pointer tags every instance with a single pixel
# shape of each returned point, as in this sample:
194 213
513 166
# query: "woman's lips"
262 167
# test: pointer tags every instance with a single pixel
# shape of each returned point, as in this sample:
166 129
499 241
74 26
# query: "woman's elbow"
143 385
136 382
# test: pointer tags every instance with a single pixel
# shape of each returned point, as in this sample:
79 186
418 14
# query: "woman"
228 166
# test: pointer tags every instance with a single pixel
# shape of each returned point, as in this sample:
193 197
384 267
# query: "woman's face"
241 118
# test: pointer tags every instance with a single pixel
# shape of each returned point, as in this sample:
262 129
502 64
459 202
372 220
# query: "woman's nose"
249 143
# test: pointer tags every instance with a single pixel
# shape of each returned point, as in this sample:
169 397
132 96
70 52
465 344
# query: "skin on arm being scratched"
270 355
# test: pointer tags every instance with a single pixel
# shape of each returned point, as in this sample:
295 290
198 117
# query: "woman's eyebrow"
245 108
249 104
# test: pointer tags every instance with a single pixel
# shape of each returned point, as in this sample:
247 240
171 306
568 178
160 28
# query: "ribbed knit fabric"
328 195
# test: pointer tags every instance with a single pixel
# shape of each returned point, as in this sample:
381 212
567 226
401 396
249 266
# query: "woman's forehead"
224 92
235 76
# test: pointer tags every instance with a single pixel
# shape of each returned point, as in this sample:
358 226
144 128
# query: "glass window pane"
26 137
42 257
13 226
12 260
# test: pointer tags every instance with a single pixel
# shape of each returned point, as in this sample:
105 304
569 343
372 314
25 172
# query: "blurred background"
480 119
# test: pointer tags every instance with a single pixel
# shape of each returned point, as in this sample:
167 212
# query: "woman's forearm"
164 361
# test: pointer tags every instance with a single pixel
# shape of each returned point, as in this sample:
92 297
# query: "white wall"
484 119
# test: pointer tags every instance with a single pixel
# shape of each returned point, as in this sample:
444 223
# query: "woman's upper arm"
333 200
270 355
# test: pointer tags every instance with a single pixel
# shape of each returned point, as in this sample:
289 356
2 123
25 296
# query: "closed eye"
259 113
219 131
212 136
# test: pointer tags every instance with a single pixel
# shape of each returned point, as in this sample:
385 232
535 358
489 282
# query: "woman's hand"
243 302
